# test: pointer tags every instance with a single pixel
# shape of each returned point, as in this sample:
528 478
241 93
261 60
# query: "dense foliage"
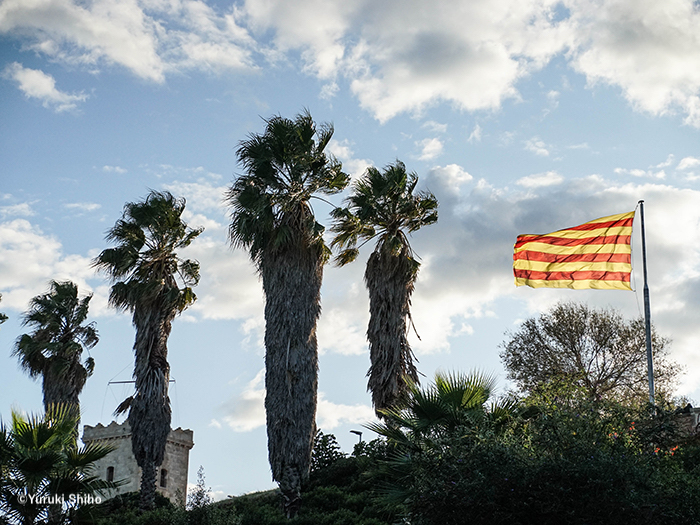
558 459
340 491
44 476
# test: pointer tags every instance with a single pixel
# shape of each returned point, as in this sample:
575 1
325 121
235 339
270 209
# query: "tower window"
163 478
110 473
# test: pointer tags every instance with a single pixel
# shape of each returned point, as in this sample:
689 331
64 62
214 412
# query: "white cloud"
539 180
647 48
665 164
450 178
220 296
149 39
113 169
430 148
687 163
342 150
553 100
402 56
42 86
475 135
29 259
330 415
246 411
636 172
537 146
435 127
83 206
396 56
17 210
340 333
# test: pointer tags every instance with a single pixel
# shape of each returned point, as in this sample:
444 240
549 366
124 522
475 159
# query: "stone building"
171 478
689 418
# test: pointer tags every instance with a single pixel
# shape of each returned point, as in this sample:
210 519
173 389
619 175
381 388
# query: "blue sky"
521 116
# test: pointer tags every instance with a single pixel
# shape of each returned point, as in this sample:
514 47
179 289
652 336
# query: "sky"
521 116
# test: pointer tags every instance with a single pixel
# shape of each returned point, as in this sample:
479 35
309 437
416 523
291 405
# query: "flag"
596 254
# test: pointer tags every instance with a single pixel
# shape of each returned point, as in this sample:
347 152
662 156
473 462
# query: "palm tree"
383 206
54 349
436 424
145 270
454 405
273 219
39 457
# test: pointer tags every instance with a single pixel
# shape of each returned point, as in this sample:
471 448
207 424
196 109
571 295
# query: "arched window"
163 478
110 473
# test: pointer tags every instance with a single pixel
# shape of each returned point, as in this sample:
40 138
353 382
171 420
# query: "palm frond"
284 167
123 407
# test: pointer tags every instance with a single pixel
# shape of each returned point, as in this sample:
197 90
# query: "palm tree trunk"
62 386
150 413
148 485
390 280
292 285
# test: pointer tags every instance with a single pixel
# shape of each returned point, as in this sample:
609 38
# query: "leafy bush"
340 491
124 510
557 460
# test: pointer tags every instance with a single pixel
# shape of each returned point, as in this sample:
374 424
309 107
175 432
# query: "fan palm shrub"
46 477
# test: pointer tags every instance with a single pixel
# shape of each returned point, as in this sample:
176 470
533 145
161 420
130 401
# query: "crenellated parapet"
171 480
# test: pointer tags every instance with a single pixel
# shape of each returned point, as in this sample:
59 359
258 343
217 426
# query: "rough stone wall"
690 419
175 462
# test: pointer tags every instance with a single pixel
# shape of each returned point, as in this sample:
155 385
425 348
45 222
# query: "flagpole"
647 310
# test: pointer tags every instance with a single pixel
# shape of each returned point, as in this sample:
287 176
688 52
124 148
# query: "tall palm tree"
145 269
383 205
55 347
273 219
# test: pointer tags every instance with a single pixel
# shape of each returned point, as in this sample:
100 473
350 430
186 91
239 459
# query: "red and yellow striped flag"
596 255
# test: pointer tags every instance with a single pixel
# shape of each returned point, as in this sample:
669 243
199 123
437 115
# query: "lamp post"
359 434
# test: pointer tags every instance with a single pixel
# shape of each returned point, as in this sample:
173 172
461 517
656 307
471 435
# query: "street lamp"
359 434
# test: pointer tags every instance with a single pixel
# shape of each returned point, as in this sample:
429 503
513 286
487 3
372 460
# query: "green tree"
546 459
39 458
200 496
383 205
326 451
155 285
273 220
596 350
54 349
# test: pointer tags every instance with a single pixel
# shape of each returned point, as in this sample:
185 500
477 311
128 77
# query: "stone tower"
171 478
